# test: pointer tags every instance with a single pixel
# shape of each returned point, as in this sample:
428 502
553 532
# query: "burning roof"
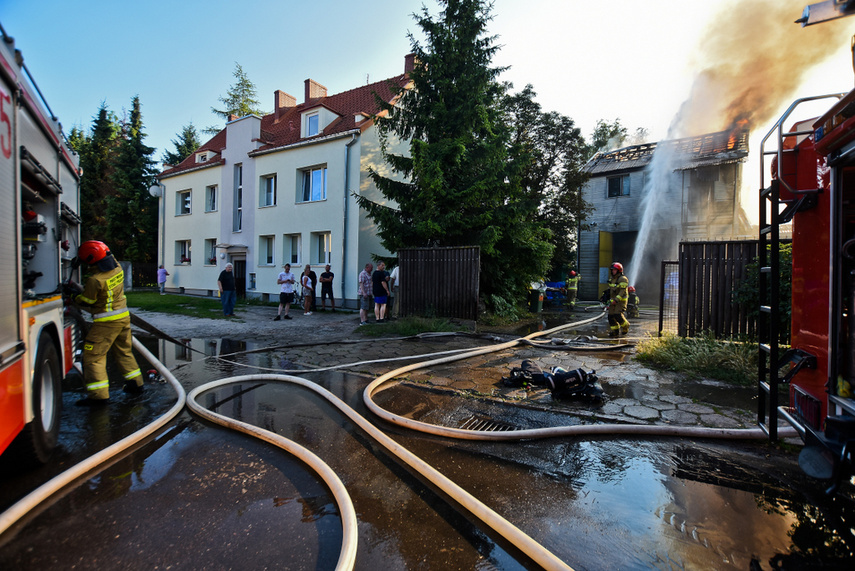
711 149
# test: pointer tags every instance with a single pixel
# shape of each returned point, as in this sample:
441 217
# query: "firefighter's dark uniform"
632 305
572 289
104 296
617 307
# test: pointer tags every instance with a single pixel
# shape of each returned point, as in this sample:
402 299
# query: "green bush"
705 356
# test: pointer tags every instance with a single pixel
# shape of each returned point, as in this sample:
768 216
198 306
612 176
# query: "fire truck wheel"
36 442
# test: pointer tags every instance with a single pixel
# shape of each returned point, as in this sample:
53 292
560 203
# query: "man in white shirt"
286 292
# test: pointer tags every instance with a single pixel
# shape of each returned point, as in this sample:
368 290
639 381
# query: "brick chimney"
233 117
314 90
409 63
281 103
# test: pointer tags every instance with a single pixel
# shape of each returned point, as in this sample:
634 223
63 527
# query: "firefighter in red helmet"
572 288
618 296
632 302
104 296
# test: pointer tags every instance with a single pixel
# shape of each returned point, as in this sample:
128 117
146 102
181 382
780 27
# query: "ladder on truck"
775 212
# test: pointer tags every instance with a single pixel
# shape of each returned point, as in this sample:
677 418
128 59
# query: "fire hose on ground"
493 520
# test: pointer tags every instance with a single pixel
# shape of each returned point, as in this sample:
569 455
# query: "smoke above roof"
752 59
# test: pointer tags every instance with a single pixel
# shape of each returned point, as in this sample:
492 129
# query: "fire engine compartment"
817 192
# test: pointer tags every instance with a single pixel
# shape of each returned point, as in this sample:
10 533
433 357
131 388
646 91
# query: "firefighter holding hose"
104 296
618 285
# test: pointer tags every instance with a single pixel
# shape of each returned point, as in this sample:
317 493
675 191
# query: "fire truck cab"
39 234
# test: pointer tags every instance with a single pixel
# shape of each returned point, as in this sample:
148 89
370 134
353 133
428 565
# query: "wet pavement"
200 497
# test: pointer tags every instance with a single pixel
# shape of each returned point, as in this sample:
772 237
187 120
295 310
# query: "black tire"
35 444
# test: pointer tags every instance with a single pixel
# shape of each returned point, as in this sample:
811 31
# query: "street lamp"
158 190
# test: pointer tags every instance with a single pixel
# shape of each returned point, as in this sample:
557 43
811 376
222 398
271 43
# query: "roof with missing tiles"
711 149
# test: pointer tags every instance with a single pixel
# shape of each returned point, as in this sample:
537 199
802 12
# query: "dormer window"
201 157
312 124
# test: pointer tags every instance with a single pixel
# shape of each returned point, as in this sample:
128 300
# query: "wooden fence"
441 282
708 274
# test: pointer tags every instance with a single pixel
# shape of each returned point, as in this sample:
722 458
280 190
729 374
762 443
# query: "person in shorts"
286 283
380 283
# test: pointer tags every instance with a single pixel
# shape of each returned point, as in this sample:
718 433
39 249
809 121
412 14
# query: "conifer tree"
461 180
97 151
186 143
131 210
241 99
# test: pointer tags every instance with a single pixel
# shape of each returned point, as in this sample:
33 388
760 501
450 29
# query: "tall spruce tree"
186 143
131 210
461 182
97 152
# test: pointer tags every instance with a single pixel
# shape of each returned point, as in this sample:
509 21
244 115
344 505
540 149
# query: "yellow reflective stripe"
97 385
85 299
132 374
614 327
111 316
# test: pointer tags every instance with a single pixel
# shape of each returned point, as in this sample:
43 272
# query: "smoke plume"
753 57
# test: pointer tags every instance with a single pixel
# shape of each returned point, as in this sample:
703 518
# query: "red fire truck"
39 231
812 164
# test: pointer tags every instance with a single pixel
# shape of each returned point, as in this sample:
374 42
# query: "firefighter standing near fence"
104 296
572 288
618 285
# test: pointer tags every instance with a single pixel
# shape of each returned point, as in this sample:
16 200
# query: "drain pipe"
343 281
30 503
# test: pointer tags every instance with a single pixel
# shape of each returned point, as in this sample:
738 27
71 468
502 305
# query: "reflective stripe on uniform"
111 315
84 299
132 374
98 385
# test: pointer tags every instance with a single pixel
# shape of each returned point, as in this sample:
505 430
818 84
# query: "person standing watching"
104 296
380 283
228 294
618 284
326 288
161 279
286 283
308 285
314 277
394 308
365 291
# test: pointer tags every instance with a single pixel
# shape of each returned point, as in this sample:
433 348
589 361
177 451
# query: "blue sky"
586 59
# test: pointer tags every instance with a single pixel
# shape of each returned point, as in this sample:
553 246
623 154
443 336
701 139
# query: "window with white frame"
313 185
292 248
182 202
618 186
265 250
313 122
211 198
210 251
237 218
182 251
321 247
267 190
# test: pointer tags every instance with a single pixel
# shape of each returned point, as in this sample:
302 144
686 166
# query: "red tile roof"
286 130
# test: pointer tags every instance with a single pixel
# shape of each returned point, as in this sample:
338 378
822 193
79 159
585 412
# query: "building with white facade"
278 189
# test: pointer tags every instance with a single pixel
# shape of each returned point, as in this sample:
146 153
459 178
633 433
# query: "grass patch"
209 307
407 326
732 361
